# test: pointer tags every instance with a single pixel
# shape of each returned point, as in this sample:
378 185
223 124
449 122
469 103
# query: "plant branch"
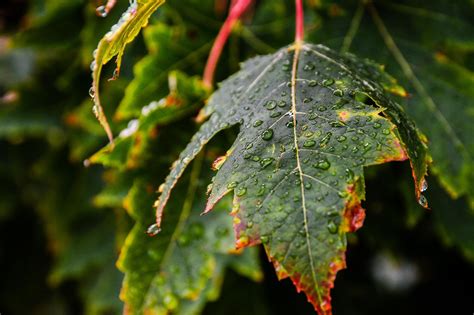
299 33
234 14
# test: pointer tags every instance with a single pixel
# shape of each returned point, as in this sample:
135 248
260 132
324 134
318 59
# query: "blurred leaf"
113 44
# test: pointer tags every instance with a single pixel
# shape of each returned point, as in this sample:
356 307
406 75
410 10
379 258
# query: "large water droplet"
322 164
270 104
153 230
101 11
338 92
267 134
332 227
423 201
309 143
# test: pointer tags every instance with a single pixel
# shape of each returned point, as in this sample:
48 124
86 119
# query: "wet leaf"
181 268
310 120
113 44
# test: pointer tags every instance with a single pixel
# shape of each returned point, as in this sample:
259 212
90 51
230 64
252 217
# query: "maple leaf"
310 120
113 44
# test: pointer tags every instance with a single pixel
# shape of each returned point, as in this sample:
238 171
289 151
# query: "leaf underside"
113 44
310 121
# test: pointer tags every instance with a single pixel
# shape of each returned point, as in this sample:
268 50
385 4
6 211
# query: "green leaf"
310 121
113 44
182 267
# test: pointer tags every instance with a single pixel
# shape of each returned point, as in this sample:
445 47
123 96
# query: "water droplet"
257 123
376 125
92 92
332 227
270 105
308 186
153 230
424 185
338 92
309 143
267 134
255 158
423 201
281 103
266 162
275 114
101 11
328 82
312 83
386 131
290 124
341 138
232 185
322 164
241 191
307 99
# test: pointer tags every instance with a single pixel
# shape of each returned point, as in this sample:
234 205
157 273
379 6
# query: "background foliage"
64 226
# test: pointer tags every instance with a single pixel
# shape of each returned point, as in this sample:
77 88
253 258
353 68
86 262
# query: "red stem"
235 12
299 34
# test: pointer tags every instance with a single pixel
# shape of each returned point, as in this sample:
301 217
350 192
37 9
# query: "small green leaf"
310 121
113 44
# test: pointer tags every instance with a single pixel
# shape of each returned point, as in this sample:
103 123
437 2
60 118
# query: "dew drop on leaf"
241 191
312 83
332 227
153 230
257 123
322 164
341 138
101 11
309 143
423 201
267 134
232 185
338 92
424 185
328 82
266 162
270 105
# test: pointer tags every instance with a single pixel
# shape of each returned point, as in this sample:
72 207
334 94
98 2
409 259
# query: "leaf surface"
430 54
310 120
113 44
